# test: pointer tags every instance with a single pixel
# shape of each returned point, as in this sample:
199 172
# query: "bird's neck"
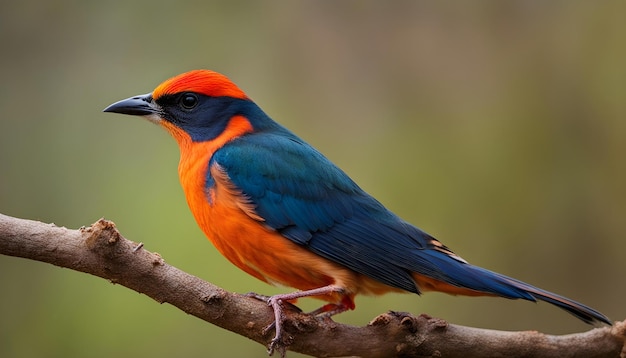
195 157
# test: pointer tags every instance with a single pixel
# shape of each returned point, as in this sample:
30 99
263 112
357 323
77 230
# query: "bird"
279 210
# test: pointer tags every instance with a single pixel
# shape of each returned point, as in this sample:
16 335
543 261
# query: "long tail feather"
583 312
461 274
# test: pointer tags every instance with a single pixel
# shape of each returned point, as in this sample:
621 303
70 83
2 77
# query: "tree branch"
100 250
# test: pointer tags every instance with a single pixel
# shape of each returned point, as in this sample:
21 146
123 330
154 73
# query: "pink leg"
277 302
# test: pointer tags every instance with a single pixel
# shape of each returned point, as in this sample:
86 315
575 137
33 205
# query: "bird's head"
195 105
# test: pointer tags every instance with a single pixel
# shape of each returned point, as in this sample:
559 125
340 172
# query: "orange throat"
194 162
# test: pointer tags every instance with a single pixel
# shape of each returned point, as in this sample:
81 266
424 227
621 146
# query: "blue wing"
310 201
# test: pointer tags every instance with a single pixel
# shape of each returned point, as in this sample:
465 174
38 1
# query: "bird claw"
278 344
281 341
279 303
258 296
268 328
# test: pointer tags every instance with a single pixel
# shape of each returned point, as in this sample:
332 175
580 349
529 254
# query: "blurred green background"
498 127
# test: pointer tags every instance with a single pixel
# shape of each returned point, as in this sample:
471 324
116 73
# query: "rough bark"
101 250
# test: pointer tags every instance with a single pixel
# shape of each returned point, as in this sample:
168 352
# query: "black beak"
134 106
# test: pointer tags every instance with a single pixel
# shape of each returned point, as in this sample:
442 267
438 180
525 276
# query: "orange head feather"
205 82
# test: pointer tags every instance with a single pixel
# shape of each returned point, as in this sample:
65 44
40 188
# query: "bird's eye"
188 100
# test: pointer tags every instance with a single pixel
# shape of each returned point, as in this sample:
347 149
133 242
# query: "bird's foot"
280 302
280 342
